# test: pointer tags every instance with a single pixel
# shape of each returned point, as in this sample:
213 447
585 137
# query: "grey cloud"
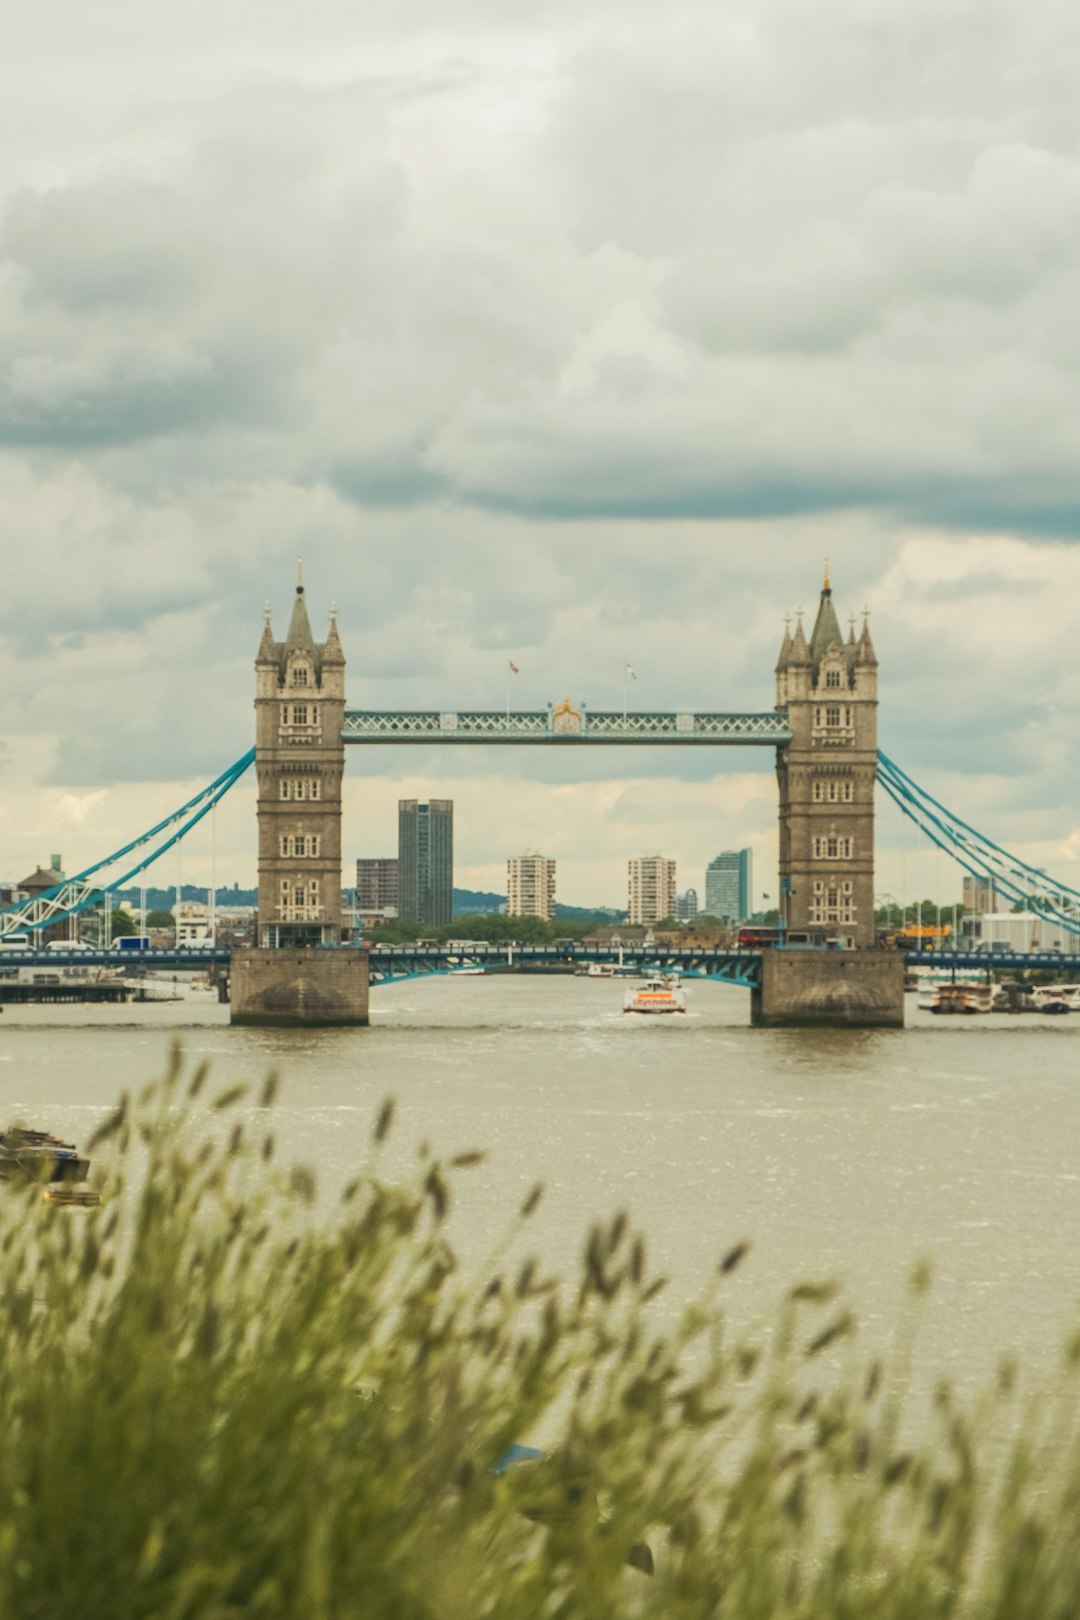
570 348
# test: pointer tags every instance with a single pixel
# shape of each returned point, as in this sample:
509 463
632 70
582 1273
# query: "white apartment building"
530 885
1020 931
652 889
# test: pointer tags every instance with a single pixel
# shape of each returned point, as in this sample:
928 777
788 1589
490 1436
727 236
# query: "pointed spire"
332 652
799 653
851 630
827 631
785 645
300 635
268 647
866 654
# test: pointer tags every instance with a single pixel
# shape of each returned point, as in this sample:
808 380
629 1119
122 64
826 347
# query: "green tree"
160 919
122 923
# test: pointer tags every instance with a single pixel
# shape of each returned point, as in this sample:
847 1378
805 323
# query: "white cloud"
576 339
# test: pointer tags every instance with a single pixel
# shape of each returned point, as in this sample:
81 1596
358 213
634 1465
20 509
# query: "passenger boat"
660 995
27 1155
601 970
1057 998
962 998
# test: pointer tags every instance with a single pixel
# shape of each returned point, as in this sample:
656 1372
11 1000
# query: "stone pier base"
302 988
854 989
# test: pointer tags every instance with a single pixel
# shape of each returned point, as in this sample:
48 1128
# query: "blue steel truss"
564 725
394 963
79 893
1033 888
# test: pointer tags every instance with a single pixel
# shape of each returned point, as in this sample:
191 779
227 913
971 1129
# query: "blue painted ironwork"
394 963
563 725
180 956
78 893
1059 962
1034 889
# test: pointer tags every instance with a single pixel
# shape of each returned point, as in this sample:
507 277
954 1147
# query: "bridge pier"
833 989
302 987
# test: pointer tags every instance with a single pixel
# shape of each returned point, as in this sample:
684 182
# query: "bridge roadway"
392 963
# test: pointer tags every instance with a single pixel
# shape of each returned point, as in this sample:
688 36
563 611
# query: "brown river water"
836 1153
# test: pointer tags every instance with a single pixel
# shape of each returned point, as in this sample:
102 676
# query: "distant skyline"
572 340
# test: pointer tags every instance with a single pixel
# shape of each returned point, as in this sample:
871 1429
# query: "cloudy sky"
576 341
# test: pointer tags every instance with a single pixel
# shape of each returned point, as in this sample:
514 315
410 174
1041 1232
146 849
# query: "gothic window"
847 886
833 848
819 792
832 716
848 791
832 677
285 788
313 844
300 714
300 675
300 788
819 887
284 714
313 788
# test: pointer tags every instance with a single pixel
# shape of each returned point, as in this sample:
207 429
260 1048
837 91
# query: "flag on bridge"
630 672
513 667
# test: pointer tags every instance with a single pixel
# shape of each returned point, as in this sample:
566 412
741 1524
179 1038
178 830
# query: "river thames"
842 1153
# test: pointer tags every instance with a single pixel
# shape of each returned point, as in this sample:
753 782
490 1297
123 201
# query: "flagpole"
625 694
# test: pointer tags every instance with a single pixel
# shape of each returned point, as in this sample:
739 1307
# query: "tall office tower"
981 896
426 861
686 906
827 688
530 886
376 885
652 889
729 885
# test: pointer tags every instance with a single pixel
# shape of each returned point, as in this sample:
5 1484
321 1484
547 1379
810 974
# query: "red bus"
757 939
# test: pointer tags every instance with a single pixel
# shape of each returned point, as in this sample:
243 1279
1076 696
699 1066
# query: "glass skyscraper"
426 861
729 885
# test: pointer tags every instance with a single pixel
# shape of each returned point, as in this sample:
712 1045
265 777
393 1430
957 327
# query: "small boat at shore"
659 995
68 1197
27 1155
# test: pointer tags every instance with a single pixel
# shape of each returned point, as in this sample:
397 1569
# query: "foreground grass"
212 1406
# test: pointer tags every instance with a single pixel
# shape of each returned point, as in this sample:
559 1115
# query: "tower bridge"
823 729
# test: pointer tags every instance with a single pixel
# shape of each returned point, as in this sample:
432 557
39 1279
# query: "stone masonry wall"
299 987
857 989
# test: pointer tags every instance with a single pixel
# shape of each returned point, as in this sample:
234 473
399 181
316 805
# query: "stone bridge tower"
300 761
827 775
288 977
